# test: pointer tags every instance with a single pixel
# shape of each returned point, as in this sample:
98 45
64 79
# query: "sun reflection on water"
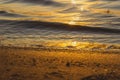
73 2
74 43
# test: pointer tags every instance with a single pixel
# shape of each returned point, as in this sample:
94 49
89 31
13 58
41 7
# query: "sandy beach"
31 64
59 39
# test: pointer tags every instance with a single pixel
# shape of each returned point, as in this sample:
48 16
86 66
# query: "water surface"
92 24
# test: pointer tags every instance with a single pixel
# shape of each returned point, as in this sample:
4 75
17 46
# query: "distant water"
84 24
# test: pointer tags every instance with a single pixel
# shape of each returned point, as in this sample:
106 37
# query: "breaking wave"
58 26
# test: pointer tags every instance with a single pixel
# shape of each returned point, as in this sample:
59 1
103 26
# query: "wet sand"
32 64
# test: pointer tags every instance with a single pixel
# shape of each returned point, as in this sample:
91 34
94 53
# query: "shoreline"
31 64
106 51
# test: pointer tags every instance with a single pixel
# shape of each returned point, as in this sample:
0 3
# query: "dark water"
90 24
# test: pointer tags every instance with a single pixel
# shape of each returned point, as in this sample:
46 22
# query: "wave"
59 26
42 2
8 14
87 46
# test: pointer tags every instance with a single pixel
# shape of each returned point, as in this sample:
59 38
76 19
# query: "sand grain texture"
29 64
